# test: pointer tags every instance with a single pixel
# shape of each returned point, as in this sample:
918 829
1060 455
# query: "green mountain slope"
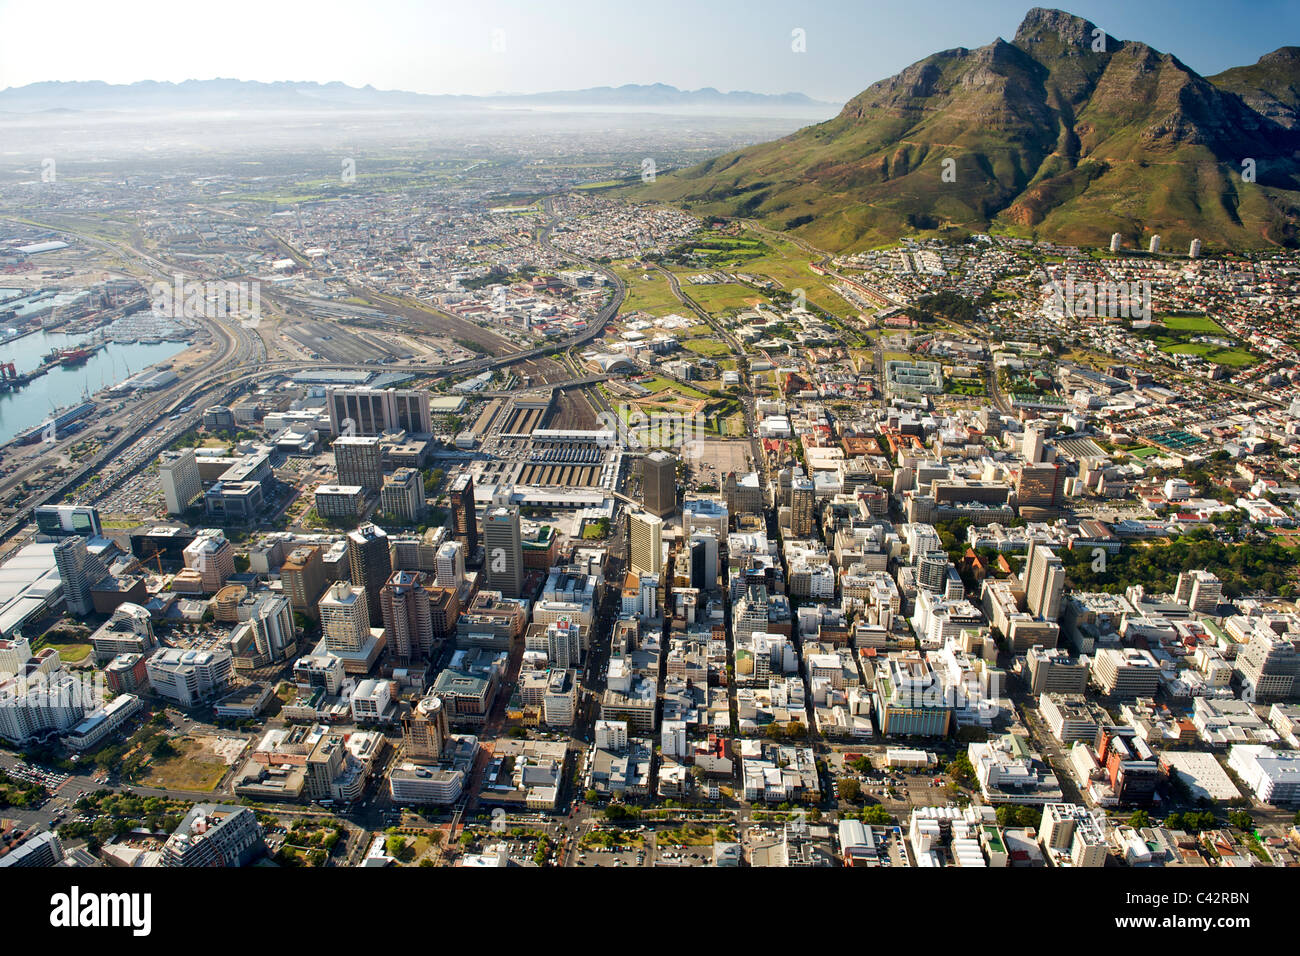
1046 137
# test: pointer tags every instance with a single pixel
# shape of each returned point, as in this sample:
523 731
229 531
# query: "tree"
876 816
849 789
1242 820
1139 819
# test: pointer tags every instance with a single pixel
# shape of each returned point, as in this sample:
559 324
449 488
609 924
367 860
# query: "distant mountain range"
1064 133
150 95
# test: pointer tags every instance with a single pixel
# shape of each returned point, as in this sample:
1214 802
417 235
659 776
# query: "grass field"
709 348
193 768
653 295
71 651
1180 330
723 296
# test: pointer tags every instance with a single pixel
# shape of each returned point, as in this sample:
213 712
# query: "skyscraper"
1045 581
425 731
1040 486
345 618
659 483
803 507
79 570
1035 435
465 521
503 559
645 543
303 578
178 473
407 620
373 411
403 495
359 461
371 564
451 564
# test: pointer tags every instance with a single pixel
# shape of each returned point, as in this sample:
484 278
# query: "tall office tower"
213 556
1035 436
708 543
271 621
803 507
503 558
373 411
178 473
645 543
345 618
1116 241
1269 667
749 615
303 578
1154 246
359 461
451 564
1045 581
932 572
371 564
659 483
407 620
1040 486
425 731
1194 250
403 495
464 521
79 570
1201 591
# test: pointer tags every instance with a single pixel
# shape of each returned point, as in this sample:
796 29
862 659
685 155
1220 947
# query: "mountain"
222 94
1043 136
1271 86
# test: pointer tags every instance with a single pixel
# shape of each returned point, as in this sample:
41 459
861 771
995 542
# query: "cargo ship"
73 356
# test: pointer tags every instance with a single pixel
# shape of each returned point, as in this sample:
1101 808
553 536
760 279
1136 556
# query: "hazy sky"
448 47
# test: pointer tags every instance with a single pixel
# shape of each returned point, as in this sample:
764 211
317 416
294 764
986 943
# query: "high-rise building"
345 618
215 835
371 563
803 507
659 483
178 473
402 496
407 619
1154 246
373 411
1194 250
359 460
503 560
1045 581
425 731
1201 591
271 623
1269 667
303 578
1116 242
451 564
645 543
79 570
1040 486
464 519
1035 436
213 557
